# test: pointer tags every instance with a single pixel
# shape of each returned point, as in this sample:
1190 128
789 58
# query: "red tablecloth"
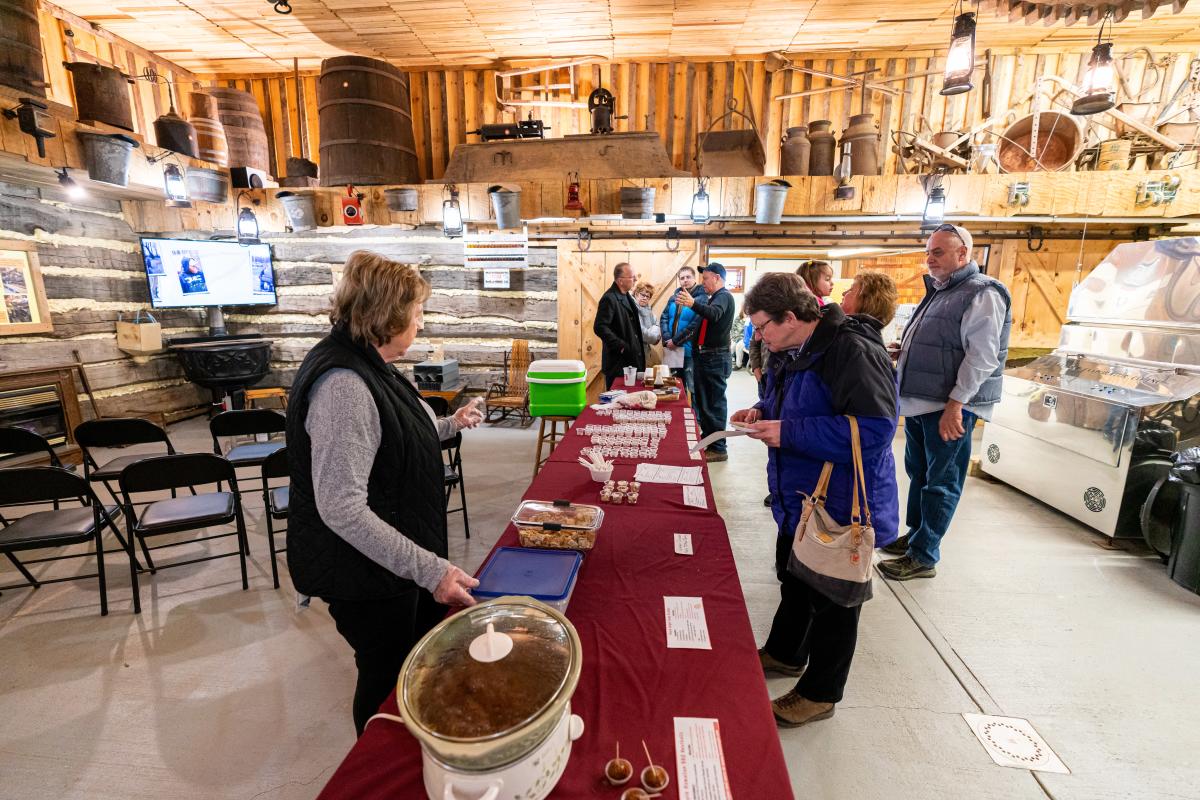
631 686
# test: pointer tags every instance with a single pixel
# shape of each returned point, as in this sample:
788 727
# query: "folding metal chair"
275 502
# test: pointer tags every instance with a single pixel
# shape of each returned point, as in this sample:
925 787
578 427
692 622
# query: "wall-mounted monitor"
189 273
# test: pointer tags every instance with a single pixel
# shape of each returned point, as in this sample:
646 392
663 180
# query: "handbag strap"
822 487
860 480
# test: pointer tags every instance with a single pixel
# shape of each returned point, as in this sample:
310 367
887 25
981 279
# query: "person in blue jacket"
824 365
675 321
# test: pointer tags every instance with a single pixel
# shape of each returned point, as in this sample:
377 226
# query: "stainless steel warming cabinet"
1089 428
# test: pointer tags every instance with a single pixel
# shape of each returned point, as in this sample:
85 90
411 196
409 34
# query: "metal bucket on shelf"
507 205
768 201
300 209
107 156
207 185
637 202
401 199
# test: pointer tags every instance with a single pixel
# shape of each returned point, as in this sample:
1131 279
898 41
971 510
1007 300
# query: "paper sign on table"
686 626
661 473
716 437
683 544
694 496
699 760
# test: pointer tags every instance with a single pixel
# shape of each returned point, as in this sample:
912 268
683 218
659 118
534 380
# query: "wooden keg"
101 94
365 123
245 134
21 48
210 133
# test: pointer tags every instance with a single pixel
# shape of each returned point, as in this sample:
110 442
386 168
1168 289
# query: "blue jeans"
689 376
712 409
936 473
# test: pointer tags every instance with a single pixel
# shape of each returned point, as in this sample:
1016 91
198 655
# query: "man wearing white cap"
713 359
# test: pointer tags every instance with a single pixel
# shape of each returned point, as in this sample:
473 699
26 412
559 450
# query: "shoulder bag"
835 559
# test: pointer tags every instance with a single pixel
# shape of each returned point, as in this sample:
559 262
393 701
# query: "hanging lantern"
573 201
175 187
247 223
452 221
1099 85
700 203
960 61
935 207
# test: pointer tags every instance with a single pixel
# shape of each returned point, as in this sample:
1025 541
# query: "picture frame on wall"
735 279
24 309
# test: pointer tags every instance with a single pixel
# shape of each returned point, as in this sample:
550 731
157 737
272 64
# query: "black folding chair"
275 502
28 486
20 441
116 432
247 422
453 464
202 510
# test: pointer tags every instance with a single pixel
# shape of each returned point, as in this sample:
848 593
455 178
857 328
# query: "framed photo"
735 279
24 309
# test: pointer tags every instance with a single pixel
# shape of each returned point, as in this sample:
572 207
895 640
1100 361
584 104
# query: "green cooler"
557 387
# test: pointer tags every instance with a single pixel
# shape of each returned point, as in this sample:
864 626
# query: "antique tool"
505 77
521 129
603 106
352 207
1186 95
33 120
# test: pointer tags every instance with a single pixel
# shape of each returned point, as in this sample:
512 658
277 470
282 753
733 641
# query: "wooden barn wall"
462 319
93 273
680 99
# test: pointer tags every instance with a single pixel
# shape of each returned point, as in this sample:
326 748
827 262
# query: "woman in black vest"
367 521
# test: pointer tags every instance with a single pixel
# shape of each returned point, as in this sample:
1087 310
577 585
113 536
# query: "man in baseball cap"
713 358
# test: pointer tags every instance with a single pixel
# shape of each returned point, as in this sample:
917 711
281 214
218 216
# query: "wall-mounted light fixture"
701 207
935 205
452 221
175 187
67 183
1018 194
960 61
844 171
247 222
1099 84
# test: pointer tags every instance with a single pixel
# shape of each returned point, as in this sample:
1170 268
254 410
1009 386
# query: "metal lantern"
700 204
176 187
573 201
960 61
1099 85
247 223
452 221
935 208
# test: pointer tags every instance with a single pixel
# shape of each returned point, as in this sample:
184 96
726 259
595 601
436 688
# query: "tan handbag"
835 559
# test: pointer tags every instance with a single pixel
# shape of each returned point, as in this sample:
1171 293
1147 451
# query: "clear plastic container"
558 524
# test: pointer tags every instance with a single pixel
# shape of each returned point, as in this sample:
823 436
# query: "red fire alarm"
352 207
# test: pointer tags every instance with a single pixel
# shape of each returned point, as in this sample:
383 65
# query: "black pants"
382 632
810 626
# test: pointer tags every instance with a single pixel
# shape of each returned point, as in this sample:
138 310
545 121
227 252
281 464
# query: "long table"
632 686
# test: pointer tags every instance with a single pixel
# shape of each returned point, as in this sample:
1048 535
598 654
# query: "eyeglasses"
948 228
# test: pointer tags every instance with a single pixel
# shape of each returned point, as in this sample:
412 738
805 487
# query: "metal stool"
254 395
553 438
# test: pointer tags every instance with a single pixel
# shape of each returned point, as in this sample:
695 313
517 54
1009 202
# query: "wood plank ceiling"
245 36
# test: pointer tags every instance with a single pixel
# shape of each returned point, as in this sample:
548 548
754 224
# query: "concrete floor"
213 692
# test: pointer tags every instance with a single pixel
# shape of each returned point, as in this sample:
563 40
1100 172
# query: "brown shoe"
898 547
792 710
714 455
772 664
905 569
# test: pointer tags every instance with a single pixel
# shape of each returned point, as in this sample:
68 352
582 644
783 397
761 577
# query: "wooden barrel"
101 94
21 47
210 133
365 123
244 132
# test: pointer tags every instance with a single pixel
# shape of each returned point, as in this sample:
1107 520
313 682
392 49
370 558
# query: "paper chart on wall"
700 760
686 627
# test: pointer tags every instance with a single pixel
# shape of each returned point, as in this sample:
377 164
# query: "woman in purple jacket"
824 365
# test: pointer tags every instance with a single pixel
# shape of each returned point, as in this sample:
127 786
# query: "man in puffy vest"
951 367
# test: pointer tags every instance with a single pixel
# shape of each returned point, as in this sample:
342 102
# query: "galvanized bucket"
107 156
207 185
301 210
507 205
402 199
768 201
637 202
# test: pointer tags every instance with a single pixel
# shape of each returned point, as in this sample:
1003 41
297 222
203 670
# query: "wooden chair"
511 395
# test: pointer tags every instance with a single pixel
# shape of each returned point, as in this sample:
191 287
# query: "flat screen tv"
187 273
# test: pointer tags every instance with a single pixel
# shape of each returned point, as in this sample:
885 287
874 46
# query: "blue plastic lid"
545 575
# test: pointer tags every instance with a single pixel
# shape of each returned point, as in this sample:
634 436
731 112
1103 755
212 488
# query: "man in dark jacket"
618 327
713 357
824 366
951 367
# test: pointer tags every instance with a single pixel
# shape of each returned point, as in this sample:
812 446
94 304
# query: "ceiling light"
1099 84
960 61
74 190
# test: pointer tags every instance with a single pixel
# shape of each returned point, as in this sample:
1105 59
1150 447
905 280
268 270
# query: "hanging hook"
1033 231
673 236
585 240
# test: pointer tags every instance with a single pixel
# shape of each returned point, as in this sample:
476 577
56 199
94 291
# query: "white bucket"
507 205
768 202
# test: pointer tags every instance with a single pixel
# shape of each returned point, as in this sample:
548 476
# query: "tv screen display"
185 273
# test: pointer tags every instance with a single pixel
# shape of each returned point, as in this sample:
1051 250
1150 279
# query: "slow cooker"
488 695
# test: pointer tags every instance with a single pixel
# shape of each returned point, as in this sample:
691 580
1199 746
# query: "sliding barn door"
584 275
